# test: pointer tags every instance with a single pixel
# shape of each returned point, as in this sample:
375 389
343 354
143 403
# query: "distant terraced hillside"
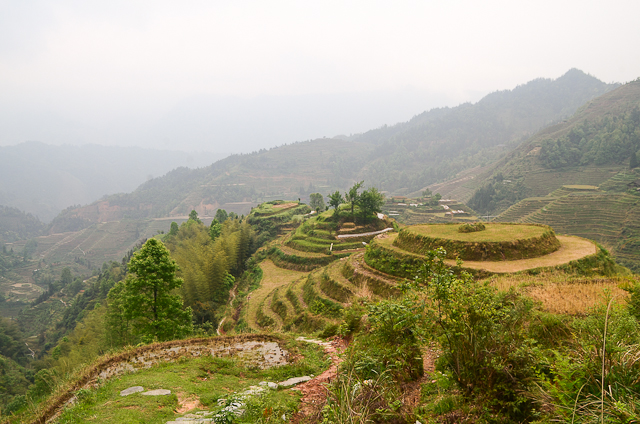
609 214
589 148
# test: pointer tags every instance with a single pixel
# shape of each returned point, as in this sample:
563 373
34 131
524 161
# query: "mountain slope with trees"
579 176
600 140
438 144
432 146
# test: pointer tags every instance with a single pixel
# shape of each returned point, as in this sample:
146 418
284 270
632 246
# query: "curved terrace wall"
499 242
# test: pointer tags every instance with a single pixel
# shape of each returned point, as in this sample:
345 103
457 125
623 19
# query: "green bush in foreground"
500 359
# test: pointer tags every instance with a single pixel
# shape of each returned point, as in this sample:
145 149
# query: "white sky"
240 75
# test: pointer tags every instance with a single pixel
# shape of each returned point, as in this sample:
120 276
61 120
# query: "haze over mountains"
455 151
406 157
43 179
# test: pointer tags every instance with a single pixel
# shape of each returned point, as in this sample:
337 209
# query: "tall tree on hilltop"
335 200
370 202
352 196
317 202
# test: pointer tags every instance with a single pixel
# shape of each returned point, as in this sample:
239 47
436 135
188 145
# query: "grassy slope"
492 233
272 277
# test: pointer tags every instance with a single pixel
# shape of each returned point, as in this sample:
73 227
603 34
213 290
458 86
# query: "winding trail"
233 297
571 248
314 391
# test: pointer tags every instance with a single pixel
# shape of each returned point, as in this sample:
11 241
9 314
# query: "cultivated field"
564 294
571 249
272 278
493 232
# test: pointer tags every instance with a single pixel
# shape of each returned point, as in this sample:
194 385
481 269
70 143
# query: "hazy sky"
240 75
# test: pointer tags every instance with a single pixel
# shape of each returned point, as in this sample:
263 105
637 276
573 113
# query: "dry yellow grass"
493 232
571 248
562 294
272 277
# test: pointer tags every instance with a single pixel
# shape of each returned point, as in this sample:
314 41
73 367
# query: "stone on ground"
130 390
157 392
293 381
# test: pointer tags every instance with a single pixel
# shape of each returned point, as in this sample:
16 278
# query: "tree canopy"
143 306
317 202
352 196
370 202
335 200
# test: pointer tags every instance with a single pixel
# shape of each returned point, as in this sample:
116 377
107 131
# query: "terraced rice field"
520 210
541 182
609 218
272 278
316 301
572 248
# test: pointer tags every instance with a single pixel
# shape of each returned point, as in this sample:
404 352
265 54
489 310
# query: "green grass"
204 379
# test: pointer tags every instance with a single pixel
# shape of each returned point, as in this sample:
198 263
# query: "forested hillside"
18 225
438 144
236 183
600 140
433 146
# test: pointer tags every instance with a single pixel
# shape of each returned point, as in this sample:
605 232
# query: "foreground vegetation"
428 341
501 357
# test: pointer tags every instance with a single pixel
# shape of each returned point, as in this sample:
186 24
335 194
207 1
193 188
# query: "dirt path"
272 277
230 303
571 248
314 392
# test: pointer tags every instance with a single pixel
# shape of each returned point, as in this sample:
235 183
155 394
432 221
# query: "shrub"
471 228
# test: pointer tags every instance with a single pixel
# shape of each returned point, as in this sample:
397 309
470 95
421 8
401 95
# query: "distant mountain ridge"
436 145
43 180
432 146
